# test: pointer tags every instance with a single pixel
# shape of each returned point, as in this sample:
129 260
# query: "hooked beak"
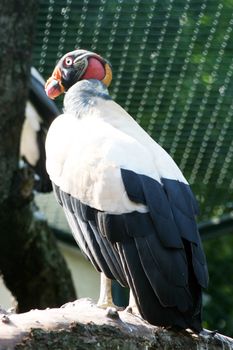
53 86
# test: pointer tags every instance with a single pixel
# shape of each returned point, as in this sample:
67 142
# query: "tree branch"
82 325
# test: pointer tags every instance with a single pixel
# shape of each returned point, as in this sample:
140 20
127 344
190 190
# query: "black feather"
157 253
85 223
169 250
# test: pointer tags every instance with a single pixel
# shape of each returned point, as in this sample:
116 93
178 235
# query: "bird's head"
75 66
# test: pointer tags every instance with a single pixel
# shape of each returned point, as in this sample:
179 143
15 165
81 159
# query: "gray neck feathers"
84 95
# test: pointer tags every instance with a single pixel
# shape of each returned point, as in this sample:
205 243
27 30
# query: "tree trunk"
31 264
83 326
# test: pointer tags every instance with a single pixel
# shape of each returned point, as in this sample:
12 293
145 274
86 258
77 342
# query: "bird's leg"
105 298
132 307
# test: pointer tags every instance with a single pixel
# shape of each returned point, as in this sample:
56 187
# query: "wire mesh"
172 70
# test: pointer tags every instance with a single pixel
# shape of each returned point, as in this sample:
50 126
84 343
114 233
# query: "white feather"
85 155
28 142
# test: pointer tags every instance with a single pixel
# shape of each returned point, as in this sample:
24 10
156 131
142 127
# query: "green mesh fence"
172 70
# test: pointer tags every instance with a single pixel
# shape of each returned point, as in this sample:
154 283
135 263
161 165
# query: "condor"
129 207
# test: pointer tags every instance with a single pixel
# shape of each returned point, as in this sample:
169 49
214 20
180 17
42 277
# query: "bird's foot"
104 304
108 304
132 307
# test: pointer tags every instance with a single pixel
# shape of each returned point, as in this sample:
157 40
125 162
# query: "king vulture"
39 114
128 205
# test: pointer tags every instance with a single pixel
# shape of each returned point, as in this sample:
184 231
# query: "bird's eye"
68 61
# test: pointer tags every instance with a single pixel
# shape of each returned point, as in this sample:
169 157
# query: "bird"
129 207
40 111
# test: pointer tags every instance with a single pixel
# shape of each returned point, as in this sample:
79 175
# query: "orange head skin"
74 66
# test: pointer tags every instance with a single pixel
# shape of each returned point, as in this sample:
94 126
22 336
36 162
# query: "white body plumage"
85 153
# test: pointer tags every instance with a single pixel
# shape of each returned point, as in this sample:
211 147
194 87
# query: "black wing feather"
85 224
148 304
153 195
169 250
110 255
65 200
